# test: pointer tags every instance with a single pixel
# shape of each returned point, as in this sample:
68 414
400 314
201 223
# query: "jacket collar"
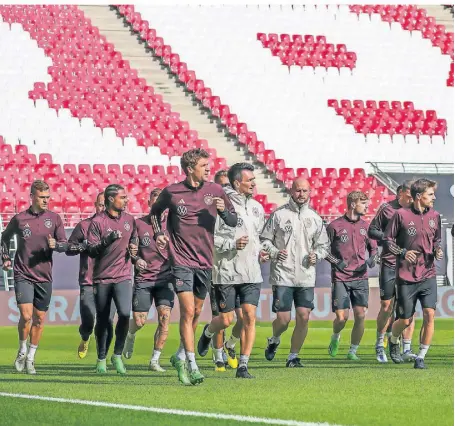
414 210
193 188
296 207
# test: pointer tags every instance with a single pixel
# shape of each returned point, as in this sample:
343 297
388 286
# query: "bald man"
296 239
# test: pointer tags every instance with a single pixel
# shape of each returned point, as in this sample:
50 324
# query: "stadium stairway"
114 30
443 16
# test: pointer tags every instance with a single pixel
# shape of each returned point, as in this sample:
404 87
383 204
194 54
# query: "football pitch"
332 391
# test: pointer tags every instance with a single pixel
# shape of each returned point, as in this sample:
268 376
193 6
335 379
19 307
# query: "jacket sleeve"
7 234
95 245
76 241
222 241
437 236
228 215
61 245
375 230
390 235
321 242
267 236
330 257
159 206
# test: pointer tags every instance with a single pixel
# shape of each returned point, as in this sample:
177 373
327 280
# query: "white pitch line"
216 416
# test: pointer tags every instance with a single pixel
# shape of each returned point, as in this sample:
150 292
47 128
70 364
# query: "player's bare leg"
161 333
426 336
302 317
23 328
357 331
36 332
383 322
216 328
247 339
186 349
341 317
235 337
135 324
279 326
398 327
408 355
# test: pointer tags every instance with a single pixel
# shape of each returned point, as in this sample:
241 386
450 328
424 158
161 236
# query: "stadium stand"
83 115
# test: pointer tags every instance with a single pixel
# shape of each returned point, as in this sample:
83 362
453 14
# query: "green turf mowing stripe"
246 419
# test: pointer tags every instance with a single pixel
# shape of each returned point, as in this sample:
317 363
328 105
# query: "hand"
141 264
282 255
51 242
219 203
133 248
241 242
312 259
113 236
439 254
7 265
411 256
263 256
162 241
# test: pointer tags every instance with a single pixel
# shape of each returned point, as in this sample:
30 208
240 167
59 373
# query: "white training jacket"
232 266
300 231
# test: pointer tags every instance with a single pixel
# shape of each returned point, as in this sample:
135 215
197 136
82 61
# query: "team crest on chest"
127 226
307 222
412 231
239 222
255 211
146 240
48 223
363 231
26 232
181 210
344 238
432 223
208 199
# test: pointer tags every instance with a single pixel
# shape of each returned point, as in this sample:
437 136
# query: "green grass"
327 390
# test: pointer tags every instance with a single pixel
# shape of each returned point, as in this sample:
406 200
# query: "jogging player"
387 275
193 207
77 244
112 240
39 233
152 282
296 238
219 339
414 236
349 248
236 269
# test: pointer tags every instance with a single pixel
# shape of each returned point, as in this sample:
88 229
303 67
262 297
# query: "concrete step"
149 69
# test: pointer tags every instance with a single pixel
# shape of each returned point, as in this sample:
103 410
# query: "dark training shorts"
192 279
387 281
145 293
37 293
226 295
426 292
283 297
214 304
349 293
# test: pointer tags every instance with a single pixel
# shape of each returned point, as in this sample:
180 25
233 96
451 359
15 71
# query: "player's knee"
249 318
226 320
139 320
359 315
38 320
163 319
26 317
341 317
197 312
386 306
428 315
303 317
